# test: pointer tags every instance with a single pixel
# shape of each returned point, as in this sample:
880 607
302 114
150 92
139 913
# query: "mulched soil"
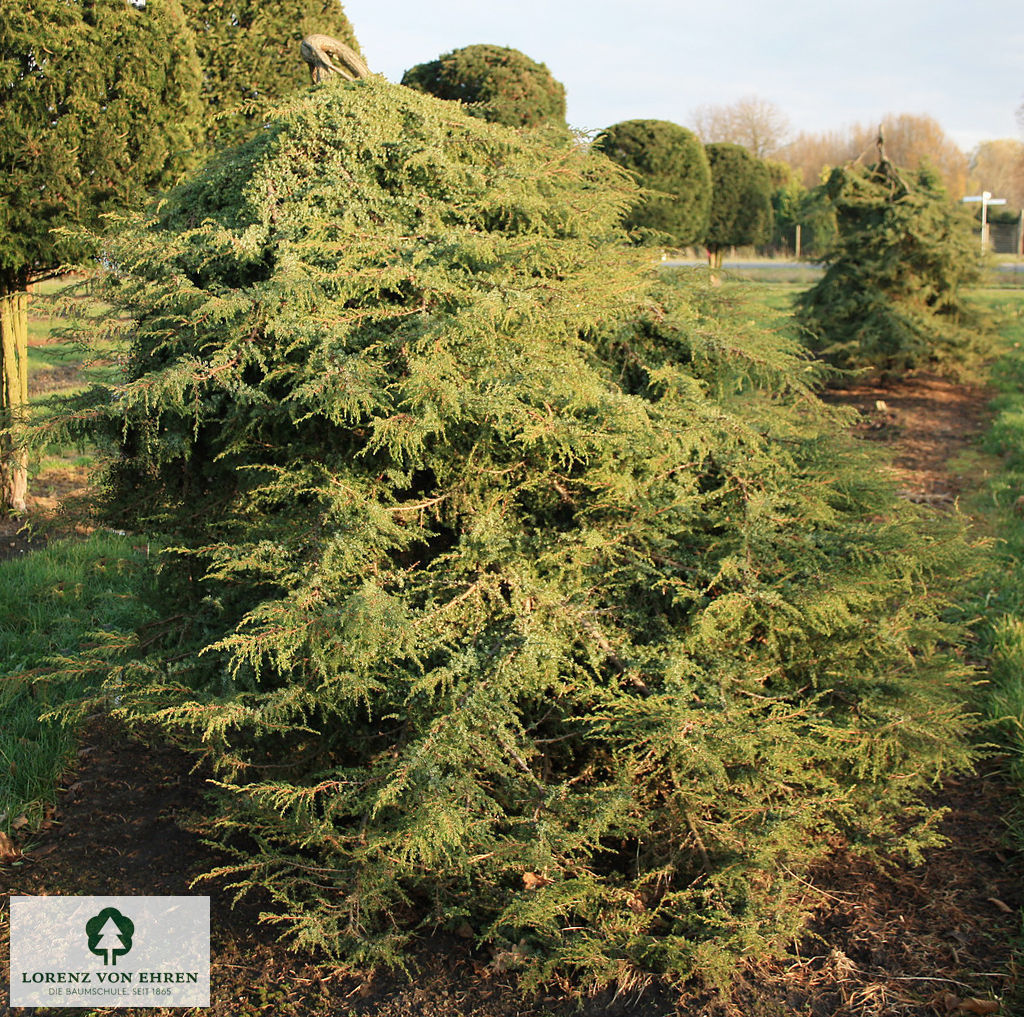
885 938
53 511
52 379
17 539
927 422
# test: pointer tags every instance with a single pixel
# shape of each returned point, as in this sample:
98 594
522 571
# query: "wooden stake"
13 397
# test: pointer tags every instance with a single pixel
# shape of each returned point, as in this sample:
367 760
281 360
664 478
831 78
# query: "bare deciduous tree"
998 166
757 124
910 140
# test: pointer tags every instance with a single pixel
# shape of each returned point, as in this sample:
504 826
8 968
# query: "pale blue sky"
826 65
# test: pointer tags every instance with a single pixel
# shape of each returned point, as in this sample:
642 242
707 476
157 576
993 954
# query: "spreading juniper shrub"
510 583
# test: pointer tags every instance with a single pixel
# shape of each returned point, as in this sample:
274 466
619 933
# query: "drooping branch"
326 56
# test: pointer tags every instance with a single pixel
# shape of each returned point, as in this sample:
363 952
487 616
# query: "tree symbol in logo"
110 935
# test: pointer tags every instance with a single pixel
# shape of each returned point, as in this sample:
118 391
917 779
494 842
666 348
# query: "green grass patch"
780 275
54 603
1002 509
72 460
779 296
62 313
66 369
42 328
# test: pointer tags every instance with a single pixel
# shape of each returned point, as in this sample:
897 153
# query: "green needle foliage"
891 297
669 160
249 52
101 106
498 84
511 583
741 206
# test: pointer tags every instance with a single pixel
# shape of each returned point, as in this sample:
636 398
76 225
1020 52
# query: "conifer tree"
669 160
249 51
510 581
891 298
496 83
741 210
794 205
101 106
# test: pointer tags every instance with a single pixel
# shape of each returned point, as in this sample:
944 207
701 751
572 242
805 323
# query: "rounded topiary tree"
891 297
249 54
670 160
741 207
496 83
100 108
511 584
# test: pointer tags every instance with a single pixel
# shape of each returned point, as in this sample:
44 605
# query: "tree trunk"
13 399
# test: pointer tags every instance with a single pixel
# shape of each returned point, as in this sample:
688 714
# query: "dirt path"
886 940
52 512
928 423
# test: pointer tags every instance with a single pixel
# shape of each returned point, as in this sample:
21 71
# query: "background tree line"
914 141
761 197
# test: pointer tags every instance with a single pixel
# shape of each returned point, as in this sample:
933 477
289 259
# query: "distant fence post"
797 242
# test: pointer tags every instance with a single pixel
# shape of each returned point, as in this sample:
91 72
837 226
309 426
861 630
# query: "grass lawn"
57 364
54 603
58 599
1002 504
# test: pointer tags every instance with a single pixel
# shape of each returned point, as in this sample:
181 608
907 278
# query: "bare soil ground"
886 938
53 511
928 422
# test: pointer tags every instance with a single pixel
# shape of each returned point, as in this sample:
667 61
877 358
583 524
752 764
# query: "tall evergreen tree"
513 582
670 160
249 51
496 83
891 298
741 210
100 102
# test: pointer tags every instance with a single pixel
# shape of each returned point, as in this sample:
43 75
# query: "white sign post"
986 199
